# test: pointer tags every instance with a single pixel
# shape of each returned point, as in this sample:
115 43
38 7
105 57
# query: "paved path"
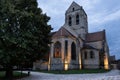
112 75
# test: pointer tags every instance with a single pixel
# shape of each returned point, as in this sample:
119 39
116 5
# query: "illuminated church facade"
73 47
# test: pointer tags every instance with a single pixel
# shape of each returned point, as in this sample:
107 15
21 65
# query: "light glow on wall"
80 61
106 64
49 63
66 65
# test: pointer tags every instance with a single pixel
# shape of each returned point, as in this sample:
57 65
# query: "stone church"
73 47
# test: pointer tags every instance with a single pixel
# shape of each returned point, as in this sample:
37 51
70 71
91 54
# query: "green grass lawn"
15 75
77 71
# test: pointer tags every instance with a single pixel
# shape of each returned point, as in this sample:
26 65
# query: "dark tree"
24 33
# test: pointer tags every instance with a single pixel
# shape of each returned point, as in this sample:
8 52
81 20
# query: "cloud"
115 50
104 17
88 4
53 7
56 9
112 16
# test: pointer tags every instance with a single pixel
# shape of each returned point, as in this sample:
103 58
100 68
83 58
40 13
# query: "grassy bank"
16 75
77 71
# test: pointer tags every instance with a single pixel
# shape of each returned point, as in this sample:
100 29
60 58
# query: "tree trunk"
9 73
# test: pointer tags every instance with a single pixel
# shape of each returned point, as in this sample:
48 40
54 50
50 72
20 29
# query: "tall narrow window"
85 55
73 9
92 54
66 48
77 19
70 21
57 50
73 51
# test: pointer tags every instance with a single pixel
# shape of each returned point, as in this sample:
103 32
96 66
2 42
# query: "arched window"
92 54
73 51
77 19
85 55
69 21
57 50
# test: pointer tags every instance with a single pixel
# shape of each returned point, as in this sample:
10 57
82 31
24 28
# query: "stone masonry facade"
73 47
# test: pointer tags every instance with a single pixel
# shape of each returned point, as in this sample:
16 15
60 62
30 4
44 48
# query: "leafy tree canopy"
24 32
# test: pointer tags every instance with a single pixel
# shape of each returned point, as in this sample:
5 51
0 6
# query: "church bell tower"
76 19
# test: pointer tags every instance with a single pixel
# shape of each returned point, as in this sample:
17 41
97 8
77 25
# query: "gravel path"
112 75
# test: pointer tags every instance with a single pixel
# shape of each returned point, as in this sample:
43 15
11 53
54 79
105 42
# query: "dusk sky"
102 14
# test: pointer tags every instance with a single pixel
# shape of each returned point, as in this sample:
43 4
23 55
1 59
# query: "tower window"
73 9
77 19
82 27
70 21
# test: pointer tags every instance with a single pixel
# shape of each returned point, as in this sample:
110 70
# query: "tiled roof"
63 32
97 36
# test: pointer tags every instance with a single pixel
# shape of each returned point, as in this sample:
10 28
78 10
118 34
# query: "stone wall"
40 65
73 65
91 63
56 64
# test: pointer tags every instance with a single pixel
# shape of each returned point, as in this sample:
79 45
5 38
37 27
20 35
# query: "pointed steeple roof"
73 6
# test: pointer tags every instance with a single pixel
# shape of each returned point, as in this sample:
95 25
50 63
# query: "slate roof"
96 36
62 32
86 46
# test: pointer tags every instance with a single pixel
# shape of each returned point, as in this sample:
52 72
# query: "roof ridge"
62 32
96 32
